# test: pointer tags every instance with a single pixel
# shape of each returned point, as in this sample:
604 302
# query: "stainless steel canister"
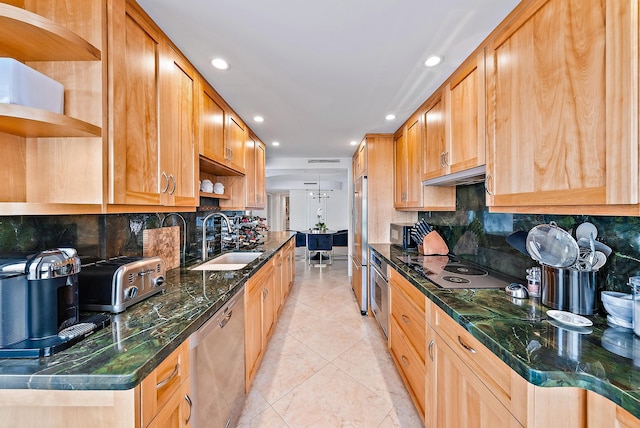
569 290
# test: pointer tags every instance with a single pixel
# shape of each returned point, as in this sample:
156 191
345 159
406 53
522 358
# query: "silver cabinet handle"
445 159
405 361
465 346
430 350
442 165
486 185
166 177
225 320
405 319
173 179
190 403
169 378
265 293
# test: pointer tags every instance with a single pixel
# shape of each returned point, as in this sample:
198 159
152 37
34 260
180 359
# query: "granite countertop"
518 332
119 356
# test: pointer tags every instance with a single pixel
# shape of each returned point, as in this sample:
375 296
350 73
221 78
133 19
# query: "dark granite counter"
600 359
119 356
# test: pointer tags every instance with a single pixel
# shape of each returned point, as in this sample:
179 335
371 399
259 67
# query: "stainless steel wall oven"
379 291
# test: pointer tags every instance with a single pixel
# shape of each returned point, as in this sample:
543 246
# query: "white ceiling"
324 73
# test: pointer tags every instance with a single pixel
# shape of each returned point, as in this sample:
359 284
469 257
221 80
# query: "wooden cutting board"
163 242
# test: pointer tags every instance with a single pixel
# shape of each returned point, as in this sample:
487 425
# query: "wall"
475 234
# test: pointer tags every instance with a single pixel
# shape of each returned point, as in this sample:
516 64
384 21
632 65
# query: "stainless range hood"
469 176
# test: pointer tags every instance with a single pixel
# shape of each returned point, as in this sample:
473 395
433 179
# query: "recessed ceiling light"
258 119
220 64
433 60
390 116
354 143
275 143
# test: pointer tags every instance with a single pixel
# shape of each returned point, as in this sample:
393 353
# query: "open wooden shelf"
36 123
214 168
214 195
27 36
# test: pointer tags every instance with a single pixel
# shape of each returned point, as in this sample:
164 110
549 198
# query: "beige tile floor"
326 365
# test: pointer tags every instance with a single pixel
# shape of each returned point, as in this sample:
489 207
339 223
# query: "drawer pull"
405 361
465 346
405 319
190 403
173 374
431 350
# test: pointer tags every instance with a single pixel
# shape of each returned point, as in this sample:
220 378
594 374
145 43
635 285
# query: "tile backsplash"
475 234
95 236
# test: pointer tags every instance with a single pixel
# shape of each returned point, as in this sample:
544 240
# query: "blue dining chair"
321 243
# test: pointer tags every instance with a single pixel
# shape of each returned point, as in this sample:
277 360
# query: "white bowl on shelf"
618 305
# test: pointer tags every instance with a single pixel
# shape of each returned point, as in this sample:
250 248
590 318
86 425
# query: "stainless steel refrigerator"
359 281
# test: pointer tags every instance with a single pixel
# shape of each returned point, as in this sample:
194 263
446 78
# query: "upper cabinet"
562 104
235 143
359 160
255 179
136 177
179 153
407 157
64 42
466 94
455 126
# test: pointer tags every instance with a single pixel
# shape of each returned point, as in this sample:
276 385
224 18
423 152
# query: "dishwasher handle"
217 321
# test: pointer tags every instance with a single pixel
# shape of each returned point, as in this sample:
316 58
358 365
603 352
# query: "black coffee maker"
42 290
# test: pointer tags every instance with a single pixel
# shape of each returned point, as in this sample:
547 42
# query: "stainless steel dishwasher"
217 367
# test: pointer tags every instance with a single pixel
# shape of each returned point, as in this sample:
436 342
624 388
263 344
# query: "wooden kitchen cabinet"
134 70
259 318
409 192
64 42
562 107
436 136
462 399
360 160
211 118
407 158
407 336
178 150
235 141
455 123
153 156
605 413
466 94
256 157
165 400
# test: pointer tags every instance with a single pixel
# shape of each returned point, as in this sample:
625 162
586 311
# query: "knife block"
433 244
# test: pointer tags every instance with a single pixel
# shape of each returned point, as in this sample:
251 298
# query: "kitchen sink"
229 261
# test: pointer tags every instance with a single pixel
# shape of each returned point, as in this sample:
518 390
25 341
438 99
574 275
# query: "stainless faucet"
204 231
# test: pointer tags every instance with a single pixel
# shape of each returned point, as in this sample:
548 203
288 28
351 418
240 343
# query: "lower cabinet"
463 400
165 400
263 296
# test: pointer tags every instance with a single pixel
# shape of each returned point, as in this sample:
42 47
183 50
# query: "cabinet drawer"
409 365
492 371
157 388
410 319
409 289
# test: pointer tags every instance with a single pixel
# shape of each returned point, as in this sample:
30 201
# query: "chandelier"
319 194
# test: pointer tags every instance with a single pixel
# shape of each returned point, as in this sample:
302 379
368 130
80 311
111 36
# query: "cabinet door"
400 170
210 125
178 155
253 341
134 62
235 143
269 297
414 158
462 399
563 106
435 144
467 116
177 412
255 178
